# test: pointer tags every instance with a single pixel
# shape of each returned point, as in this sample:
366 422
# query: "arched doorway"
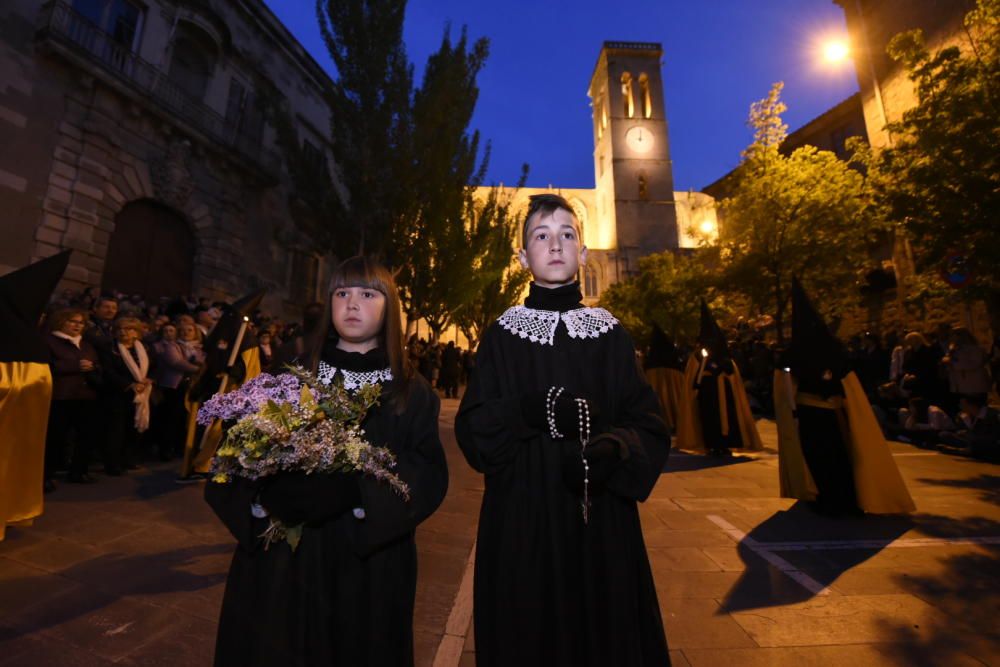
151 252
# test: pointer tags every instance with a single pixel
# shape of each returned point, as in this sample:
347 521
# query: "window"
120 19
647 101
590 287
192 61
243 113
313 156
627 95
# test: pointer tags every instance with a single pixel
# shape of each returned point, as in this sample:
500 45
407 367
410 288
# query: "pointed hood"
814 355
23 296
662 351
228 326
711 336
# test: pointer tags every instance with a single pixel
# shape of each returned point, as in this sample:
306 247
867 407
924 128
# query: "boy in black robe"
562 576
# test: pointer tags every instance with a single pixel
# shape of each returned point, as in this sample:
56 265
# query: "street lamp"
836 51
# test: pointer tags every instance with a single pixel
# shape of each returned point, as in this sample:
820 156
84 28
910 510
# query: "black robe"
709 412
346 595
550 590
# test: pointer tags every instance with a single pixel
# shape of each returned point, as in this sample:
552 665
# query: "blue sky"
719 56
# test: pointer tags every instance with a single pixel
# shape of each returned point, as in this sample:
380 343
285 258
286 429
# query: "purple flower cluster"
249 398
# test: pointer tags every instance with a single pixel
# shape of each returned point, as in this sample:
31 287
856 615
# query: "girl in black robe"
561 574
346 595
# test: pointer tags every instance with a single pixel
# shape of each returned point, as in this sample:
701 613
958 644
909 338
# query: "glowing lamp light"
704 352
835 51
707 227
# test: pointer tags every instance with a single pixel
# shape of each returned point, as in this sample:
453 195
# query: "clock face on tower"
639 139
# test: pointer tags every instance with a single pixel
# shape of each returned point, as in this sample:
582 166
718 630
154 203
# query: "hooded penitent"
831 449
664 370
25 387
218 350
715 414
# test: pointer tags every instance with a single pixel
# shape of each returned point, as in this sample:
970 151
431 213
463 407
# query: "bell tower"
636 212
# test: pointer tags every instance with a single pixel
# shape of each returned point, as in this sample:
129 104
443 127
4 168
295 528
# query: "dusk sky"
719 56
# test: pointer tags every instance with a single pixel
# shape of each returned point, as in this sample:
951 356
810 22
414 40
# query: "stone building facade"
886 92
134 133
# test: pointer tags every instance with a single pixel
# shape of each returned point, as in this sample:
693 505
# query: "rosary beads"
583 413
550 411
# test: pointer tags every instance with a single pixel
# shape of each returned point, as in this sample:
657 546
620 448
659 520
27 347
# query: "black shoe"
193 478
80 478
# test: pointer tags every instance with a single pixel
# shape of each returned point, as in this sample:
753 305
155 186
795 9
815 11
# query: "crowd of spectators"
122 366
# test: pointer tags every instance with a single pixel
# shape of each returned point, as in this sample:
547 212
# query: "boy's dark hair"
544 204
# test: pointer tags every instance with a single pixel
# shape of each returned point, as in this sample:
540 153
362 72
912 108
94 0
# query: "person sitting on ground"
921 423
979 430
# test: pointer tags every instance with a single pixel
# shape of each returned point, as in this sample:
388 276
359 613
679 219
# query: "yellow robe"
201 460
25 397
793 474
668 383
689 433
880 487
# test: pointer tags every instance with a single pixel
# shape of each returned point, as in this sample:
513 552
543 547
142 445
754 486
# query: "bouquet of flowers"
293 422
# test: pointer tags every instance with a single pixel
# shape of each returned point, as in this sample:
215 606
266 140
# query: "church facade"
633 210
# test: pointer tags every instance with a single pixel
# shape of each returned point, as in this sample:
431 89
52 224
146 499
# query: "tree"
800 214
666 291
499 283
940 180
439 246
371 105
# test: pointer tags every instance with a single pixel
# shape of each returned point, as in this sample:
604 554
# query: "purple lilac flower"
250 397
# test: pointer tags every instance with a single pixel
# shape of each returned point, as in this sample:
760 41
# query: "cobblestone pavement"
130 571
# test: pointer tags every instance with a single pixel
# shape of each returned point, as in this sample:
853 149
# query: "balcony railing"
64 26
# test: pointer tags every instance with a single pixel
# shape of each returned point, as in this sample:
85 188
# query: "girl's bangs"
359 272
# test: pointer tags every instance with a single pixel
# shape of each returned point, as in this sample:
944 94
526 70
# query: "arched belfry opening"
151 251
627 96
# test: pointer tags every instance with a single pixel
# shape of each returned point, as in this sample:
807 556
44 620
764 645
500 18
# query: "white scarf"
65 336
138 374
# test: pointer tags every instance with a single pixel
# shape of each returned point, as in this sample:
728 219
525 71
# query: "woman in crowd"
968 366
920 369
174 368
75 374
266 353
127 386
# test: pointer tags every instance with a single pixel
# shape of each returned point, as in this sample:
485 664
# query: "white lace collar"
539 326
353 379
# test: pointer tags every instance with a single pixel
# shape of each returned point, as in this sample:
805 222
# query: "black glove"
567 413
603 458
296 497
